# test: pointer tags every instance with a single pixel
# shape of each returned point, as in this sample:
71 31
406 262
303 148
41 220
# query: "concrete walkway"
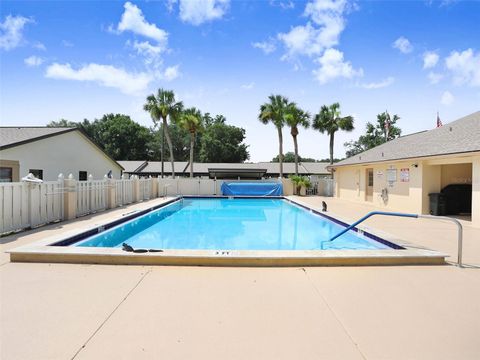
63 311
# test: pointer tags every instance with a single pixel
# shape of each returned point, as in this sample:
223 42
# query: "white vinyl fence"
145 188
91 196
325 187
124 191
25 204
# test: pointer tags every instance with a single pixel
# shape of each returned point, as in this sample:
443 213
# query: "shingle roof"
12 136
131 165
202 168
460 136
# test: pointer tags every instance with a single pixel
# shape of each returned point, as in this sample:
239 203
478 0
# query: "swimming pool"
232 224
193 231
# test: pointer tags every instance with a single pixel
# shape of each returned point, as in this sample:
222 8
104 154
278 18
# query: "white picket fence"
195 186
91 196
145 188
124 191
325 187
25 204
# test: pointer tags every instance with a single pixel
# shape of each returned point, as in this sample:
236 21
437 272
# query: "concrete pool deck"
66 311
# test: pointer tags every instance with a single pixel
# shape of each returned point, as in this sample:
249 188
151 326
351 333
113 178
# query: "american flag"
439 122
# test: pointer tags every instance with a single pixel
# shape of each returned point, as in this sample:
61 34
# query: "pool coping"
43 251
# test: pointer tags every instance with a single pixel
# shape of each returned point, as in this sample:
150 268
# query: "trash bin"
438 204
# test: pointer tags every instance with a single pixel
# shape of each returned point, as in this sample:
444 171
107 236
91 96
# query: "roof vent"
451 128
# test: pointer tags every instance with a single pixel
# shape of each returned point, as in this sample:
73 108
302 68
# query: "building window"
38 173
6 174
82 176
370 178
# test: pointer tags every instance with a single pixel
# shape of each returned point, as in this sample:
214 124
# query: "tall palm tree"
191 120
163 107
329 121
274 111
295 117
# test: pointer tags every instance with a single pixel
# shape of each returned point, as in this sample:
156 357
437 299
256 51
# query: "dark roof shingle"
12 136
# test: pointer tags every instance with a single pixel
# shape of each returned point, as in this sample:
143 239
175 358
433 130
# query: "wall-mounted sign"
379 174
391 175
405 175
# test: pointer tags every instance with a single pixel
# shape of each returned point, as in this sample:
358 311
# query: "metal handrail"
459 227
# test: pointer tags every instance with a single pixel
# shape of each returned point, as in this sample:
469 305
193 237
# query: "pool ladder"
415 216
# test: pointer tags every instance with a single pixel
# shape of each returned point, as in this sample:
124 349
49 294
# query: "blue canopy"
252 189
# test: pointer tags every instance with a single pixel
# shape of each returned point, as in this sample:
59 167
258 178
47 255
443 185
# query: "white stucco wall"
66 153
425 176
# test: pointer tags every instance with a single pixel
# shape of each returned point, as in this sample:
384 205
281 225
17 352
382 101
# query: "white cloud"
33 61
105 75
403 44
171 73
67 43
434 77
378 85
40 46
149 51
134 21
430 59
249 86
447 98
197 12
285 5
266 46
11 31
321 32
170 5
465 67
332 66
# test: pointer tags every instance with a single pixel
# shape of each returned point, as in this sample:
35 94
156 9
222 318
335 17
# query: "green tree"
274 112
117 134
223 143
295 117
329 120
164 107
299 182
375 134
120 136
191 120
63 123
289 157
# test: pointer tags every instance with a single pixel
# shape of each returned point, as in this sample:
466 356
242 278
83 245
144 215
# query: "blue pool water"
230 224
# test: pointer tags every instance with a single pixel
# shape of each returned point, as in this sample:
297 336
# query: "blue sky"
77 60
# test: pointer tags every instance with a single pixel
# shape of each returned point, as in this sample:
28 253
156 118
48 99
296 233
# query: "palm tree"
295 117
191 120
163 107
329 120
274 111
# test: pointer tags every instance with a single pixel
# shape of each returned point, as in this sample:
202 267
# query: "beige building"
47 152
400 174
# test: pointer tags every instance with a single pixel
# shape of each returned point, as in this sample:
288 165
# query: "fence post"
154 185
61 190
158 190
136 189
69 198
123 178
90 193
111 191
